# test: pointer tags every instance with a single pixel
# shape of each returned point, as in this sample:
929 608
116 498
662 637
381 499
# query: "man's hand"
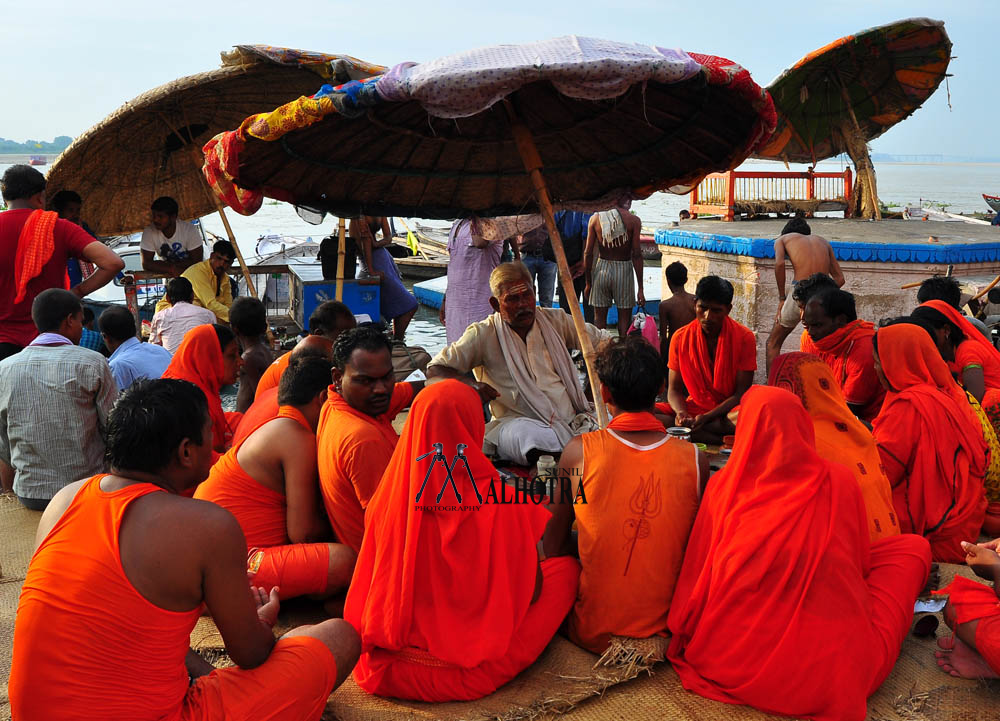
699 421
586 292
441 315
993 545
683 418
983 561
486 392
267 604
641 297
576 270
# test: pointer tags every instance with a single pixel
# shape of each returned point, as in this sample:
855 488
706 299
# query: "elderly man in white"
520 358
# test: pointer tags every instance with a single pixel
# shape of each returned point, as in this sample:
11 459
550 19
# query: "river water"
959 186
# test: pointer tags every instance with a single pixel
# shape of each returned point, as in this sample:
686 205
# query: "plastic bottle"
546 469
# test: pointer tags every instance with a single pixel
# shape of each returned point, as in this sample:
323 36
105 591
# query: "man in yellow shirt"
210 282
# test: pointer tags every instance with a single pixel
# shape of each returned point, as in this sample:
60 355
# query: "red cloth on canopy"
448 592
710 382
780 584
199 360
931 443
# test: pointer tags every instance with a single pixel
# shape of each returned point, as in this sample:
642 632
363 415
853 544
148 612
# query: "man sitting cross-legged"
711 364
973 613
637 482
521 362
124 567
268 481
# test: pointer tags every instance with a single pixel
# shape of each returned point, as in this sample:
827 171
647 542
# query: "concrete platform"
877 259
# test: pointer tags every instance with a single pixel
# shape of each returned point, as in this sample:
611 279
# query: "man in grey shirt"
55 398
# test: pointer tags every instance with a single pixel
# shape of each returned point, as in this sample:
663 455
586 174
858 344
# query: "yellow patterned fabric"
991 481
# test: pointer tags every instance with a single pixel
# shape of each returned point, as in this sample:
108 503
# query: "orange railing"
723 193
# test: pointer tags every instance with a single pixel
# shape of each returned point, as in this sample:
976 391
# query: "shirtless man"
614 234
808 254
128 556
248 319
677 310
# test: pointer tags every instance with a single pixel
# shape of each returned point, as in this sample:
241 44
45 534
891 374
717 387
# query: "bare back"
676 312
633 228
808 254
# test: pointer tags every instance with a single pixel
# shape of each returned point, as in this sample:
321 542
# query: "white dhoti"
513 437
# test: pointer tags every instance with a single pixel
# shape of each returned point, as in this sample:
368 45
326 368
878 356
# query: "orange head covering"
779 533
456 583
970 331
914 368
198 359
840 436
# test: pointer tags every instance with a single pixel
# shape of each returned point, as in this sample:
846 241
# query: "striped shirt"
54 405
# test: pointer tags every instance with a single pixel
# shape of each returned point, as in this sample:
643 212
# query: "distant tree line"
60 143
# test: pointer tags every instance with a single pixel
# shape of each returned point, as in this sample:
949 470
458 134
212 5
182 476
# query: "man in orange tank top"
642 490
269 482
327 322
124 567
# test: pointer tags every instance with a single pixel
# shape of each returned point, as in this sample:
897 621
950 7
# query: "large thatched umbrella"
838 98
151 145
573 122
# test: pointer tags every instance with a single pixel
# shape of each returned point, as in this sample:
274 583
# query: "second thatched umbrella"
838 98
573 122
151 145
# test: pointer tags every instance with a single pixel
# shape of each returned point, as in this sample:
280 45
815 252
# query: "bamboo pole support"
868 164
533 164
341 258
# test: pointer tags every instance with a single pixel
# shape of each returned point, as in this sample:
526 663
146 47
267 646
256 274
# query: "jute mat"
564 682
17 541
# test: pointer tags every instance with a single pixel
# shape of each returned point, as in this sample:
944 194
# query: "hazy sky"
66 65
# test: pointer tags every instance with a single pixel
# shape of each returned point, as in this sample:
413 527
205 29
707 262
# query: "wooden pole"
868 160
341 258
199 160
533 164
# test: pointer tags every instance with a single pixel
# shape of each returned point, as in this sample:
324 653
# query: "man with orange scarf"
448 595
209 357
834 333
782 535
638 482
711 363
34 246
268 482
930 442
840 436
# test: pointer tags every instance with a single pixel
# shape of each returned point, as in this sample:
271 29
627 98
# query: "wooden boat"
993 201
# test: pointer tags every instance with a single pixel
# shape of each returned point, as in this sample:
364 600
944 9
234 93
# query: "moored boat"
993 201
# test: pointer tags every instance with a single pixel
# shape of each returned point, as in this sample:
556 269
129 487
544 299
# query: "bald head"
318 346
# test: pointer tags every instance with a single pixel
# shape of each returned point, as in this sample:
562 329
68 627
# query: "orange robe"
974 601
297 569
849 353
441 593
87 645
783 603
840 436
646 496
271 376
198 359
709 384
353 451
931 444
263 408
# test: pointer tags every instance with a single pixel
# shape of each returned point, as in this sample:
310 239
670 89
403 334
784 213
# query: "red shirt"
16 325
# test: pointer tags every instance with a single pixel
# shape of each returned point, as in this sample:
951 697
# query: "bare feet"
960 661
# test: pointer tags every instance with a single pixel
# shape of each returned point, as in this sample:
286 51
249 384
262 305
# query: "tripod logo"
437 454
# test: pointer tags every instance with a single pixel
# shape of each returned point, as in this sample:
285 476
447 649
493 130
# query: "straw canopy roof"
851 91
611 121
151 145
